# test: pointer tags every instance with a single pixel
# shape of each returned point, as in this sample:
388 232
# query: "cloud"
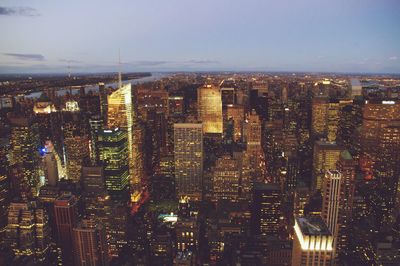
202 62
18 11
393 58
70 61
30 57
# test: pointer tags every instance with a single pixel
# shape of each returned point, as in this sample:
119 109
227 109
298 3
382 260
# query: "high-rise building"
113 150
319 109
66 218
24 155
90 245
103 101
49 164
236 112
331 203
252 138
121 114
188 157
312 244
326 154
76 139
346 166
380 158
209 104
267 209
226 177
96 123
28 232
5 192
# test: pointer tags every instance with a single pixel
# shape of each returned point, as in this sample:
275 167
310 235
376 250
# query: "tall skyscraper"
236 112
96 123
209 104
267 209
90 245
49 164
331 203
226 178
252 138
312 244
5 182
326 154
76 139
121 114
113 149
66 214
24 144
319 109
188 157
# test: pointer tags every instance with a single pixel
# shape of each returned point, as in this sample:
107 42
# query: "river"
62 91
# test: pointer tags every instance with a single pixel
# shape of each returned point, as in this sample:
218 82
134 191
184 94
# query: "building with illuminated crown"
312 244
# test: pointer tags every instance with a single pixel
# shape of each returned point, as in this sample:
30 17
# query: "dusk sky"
187 35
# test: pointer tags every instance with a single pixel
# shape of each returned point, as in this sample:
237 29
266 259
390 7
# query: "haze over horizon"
85 36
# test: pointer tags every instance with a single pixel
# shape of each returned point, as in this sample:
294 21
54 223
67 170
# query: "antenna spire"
119 71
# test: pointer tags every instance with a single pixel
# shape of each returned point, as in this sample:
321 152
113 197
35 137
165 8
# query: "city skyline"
298 36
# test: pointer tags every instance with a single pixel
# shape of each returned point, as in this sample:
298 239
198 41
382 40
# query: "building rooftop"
312 226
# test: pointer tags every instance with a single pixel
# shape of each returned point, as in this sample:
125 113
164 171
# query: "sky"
47 36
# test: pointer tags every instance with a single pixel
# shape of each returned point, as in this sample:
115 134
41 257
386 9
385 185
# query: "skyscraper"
226 177
331 203
113 149
28 232
188 157
209 104
267 209
326 154
312 244
252 138
76 139
24 144
66 214
90 246
346 166
121 114
49 164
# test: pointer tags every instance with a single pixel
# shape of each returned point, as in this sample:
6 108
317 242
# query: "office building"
113 150
66 218
188 157
24 154
226 177
76 139
326 155
28 232
209 104
266 213
90 245
312 244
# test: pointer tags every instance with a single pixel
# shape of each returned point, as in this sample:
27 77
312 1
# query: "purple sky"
189 35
